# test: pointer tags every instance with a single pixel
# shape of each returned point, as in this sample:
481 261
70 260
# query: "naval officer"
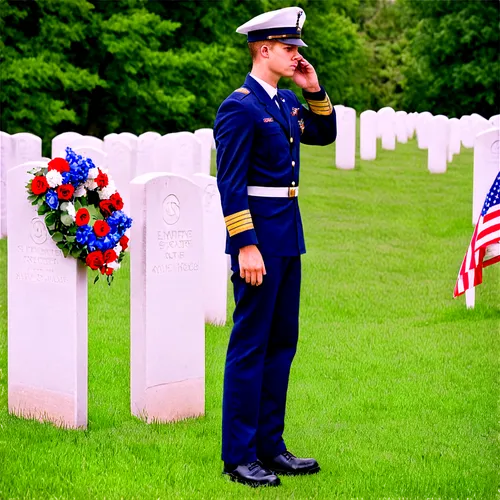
258 130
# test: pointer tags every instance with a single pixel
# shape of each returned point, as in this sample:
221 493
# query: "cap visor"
293 41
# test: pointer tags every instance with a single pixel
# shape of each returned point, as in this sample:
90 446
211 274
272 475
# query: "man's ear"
264 51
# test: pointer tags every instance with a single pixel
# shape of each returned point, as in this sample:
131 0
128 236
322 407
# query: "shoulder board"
243 90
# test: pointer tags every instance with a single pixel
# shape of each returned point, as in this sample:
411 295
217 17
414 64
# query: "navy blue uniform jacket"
259 145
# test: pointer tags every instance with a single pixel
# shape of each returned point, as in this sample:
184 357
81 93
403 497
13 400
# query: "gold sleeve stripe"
320 108
229 218
238 219
323 107
242 222
240 229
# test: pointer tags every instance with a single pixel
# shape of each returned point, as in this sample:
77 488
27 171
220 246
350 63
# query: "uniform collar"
271 91
267 101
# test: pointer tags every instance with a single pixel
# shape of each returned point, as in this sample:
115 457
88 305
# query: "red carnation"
59 164
39 185
65 192
109 256
101 180
117 201
82 217
107 207
124 242
106 270
101 228
95 260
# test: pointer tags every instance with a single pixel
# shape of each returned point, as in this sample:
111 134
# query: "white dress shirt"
272 91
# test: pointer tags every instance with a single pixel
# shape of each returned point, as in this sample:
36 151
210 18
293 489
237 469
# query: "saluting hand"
305 75
252 268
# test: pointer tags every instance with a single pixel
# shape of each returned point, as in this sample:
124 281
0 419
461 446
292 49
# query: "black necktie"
281 107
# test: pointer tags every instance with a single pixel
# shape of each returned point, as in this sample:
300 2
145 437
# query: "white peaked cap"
284 25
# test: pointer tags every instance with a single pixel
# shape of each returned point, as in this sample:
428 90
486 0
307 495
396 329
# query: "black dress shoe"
252 474
289 465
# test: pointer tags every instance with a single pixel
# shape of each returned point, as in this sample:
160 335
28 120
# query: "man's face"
283 59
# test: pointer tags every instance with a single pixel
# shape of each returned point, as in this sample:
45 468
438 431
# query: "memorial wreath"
83 211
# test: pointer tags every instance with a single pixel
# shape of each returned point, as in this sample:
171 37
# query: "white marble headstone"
144 152
98 156
214 256
467 131
167 317
411 120
7 160
480 125
89 141
368 135
423 128
178 153
27 147
345 144
486 167
19 148
206 137
119 159
386 124
74 140
47 323
437 153
454 142
129 138
339 110
495 121
62 141
401 126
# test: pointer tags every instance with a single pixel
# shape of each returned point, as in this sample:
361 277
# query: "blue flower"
83 233
78 167
119 223
115 237
104 243
92 242
51 199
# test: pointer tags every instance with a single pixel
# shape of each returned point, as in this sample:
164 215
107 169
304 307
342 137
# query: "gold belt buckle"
292 192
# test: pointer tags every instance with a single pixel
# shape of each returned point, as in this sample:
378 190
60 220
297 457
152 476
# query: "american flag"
486 232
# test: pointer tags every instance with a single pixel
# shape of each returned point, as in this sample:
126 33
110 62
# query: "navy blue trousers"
260 352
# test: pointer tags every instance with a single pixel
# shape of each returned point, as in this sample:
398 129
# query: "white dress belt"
273 192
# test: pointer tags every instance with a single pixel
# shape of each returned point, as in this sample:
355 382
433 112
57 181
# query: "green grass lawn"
394 388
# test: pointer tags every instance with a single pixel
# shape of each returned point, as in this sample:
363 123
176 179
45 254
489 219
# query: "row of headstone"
125 155
178 280
185 153
442 137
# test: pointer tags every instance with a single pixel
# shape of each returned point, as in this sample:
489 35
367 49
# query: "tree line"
98 67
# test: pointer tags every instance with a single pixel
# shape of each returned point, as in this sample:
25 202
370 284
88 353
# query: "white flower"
93 173
54 178
71 210
118 249
80 191
105 193
90 184
114 265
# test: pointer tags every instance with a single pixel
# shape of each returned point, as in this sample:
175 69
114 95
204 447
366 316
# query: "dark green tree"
452 65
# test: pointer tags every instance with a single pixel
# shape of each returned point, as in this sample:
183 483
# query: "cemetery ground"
394 388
